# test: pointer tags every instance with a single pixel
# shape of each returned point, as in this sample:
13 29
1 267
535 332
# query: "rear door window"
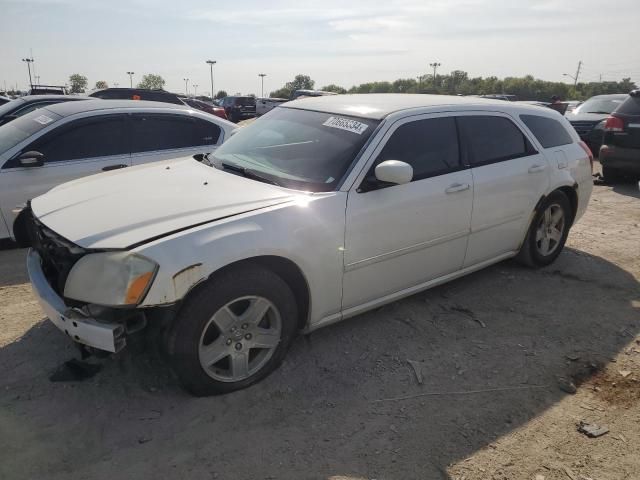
93 137
549 132
430 146
491 139
167 132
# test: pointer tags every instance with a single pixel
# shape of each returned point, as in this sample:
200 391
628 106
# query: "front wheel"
233 331
548 231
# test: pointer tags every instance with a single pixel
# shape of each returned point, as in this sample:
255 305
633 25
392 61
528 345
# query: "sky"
333 41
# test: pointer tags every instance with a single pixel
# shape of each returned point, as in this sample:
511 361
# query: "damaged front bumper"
81 328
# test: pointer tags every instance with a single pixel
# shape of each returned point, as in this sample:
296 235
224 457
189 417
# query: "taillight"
587 150
614 124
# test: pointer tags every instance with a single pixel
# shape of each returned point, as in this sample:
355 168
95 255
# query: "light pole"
575 79
262 75
29 62
211 64
195 89
435 66
130 78
186 86
37 77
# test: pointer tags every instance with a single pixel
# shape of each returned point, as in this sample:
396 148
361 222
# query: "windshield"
298 149
22 128
600 105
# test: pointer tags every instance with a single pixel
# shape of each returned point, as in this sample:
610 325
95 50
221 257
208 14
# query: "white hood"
122 208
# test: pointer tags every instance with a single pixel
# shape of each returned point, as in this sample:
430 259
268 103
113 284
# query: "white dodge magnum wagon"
320 210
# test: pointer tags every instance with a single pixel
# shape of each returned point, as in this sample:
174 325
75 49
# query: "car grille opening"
58 254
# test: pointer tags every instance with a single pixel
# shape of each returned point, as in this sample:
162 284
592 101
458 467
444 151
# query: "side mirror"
394 171
31 159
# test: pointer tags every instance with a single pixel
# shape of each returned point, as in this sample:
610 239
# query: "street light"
211 64
130 78
262 75
195 89
186 86
29 62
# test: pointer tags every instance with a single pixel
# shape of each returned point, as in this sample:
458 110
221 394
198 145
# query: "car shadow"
630 188
490 348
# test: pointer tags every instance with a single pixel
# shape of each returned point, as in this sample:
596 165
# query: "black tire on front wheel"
531 253
193 322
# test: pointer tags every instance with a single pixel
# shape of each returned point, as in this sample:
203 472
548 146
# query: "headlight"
111 279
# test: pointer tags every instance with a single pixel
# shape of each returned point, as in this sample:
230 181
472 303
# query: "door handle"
114 167
457 187
536 168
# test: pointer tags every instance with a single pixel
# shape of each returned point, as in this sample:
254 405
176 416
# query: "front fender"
308 233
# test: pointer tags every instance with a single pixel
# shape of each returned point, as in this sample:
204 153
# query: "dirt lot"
346 403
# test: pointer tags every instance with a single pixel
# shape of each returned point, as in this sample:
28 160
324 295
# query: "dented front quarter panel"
309 231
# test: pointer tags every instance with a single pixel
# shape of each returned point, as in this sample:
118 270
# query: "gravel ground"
346 404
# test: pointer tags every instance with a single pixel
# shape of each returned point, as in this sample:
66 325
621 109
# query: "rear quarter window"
549 132
631 106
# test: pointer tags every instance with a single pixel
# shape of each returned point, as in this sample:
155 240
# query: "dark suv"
620 152
238 108
137 94
588 119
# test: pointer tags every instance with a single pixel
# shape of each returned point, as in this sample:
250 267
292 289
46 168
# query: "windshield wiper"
249 173
603 113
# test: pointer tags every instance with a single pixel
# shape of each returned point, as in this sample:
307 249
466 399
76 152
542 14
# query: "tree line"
458 82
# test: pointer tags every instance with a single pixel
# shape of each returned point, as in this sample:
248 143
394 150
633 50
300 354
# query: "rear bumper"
623 159
80 328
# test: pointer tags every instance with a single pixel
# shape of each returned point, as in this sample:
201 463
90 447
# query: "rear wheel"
548 231
233 331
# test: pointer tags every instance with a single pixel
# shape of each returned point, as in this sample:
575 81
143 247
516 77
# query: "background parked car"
47 90
239 108
620 153
157 95
205 107
589 118
263 105
23 105
572 105
65 141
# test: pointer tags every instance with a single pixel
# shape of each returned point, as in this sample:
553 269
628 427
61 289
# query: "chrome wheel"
550 230
240 338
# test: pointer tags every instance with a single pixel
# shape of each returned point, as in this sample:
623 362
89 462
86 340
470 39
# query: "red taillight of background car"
219 112
614 124
588 151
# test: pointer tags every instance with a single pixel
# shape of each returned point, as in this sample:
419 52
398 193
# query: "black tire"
191 322
530 253
611 175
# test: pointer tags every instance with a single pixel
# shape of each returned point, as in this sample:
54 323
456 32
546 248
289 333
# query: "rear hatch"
629 113
245 104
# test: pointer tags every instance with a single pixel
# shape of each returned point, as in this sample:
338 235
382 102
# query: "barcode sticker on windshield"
43 119
346 124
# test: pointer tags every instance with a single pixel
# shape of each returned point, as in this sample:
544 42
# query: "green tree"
78 83
300 82
334 88
100 84
152 81
221 94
